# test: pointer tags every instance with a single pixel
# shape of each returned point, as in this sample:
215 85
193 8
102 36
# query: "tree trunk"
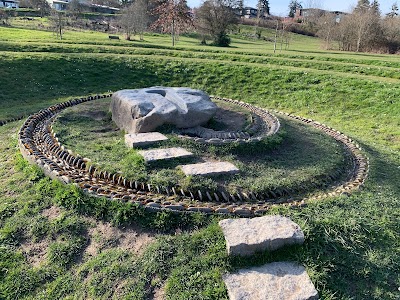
173 32
276 35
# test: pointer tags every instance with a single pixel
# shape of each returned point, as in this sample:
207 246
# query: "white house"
9 3
63 5
251 13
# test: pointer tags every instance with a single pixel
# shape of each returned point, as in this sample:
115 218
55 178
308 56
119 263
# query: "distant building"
9 4
251 13
303 14
58 4
63 5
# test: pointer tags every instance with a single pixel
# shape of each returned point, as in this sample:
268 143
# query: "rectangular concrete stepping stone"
162 154
274 281
209 168
246 236
143 139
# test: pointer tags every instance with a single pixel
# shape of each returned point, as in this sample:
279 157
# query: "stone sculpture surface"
143 110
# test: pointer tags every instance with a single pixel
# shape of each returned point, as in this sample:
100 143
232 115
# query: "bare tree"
173 16
391 29
215 17
41 5
367 26
4 17
361 30
75 7
327 29
57 23
134 19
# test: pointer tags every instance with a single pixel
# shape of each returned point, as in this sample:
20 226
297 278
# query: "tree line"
211 20
365 29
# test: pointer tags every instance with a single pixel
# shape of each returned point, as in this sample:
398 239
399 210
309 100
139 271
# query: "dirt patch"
103 236
95 115
35 253
230 120
51 213
96 110
159 293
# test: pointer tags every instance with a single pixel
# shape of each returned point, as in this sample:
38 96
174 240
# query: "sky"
280 7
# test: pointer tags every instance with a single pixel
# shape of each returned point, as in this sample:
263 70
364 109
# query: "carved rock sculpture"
143 110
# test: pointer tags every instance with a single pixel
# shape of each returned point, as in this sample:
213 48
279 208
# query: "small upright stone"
274 281
268 233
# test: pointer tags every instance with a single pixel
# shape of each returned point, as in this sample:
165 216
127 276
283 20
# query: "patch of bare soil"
35 253
96 110
95 115
105 236
52 212
230 120
159 293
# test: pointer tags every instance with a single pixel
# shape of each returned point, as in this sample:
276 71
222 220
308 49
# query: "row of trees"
212 19
364 30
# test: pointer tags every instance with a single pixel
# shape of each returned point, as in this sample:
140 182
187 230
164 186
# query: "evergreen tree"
375 7
394 11
362 5
240 7
265 6
293 6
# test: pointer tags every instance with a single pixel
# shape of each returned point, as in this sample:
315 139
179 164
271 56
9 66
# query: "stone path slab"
209 168
163 154
143 139
247 236
274 281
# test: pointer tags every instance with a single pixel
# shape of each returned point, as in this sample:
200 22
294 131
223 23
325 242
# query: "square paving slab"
167 153
269 233
209 168
274 281
143 139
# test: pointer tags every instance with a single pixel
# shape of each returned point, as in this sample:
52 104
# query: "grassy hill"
57 243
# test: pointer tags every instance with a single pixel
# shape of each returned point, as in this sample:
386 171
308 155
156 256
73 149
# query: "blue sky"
280 7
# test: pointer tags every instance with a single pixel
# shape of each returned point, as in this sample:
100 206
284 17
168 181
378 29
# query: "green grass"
352 247
278 163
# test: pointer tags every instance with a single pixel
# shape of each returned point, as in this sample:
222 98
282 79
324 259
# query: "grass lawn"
57 243
299 157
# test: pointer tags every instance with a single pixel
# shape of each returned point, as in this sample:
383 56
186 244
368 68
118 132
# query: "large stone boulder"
143 110
246 236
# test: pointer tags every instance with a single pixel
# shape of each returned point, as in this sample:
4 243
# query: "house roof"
104 6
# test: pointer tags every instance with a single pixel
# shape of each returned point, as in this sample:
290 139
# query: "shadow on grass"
44 80
338 263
